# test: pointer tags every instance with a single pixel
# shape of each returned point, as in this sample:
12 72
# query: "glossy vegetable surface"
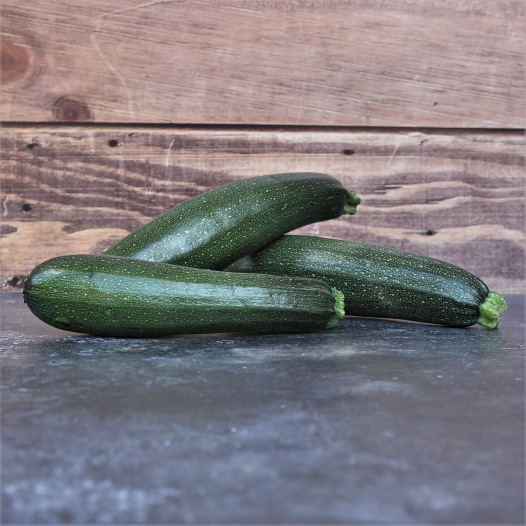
218 227
117 296
383 282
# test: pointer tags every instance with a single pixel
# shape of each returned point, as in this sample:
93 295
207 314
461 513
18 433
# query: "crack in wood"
94 39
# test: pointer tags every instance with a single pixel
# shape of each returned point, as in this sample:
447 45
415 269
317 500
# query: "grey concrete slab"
375 421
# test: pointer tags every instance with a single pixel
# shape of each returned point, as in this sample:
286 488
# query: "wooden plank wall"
112 114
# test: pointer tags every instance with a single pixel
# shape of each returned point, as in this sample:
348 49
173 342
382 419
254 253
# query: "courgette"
383 282
122 297
218 227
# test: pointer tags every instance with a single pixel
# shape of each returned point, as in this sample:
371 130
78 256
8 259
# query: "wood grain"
455 196
397 63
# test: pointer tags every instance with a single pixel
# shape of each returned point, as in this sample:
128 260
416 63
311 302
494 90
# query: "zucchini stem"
339 307
491 310
352 202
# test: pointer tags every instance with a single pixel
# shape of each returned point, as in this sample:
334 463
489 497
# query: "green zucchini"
218 227
123 297
383 282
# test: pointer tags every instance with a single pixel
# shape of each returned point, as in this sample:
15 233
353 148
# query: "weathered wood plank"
437 63
455 196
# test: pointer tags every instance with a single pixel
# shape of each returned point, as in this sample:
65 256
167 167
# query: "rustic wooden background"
113 113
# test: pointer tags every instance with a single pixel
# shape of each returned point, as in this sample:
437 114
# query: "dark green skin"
117 296
218 227
376 281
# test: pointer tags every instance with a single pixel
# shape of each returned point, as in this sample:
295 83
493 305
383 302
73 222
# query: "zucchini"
218 227
123 297
383 282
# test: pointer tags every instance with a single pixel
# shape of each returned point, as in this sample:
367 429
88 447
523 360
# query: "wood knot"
69 109
15 61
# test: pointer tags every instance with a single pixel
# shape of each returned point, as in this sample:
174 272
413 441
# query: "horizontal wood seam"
262 127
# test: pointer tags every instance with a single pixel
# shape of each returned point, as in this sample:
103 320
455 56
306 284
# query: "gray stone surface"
371 422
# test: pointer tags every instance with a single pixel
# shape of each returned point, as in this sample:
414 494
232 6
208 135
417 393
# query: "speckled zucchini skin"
378 281
122 297
218 227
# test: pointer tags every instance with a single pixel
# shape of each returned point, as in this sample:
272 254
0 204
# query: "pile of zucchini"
223 262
